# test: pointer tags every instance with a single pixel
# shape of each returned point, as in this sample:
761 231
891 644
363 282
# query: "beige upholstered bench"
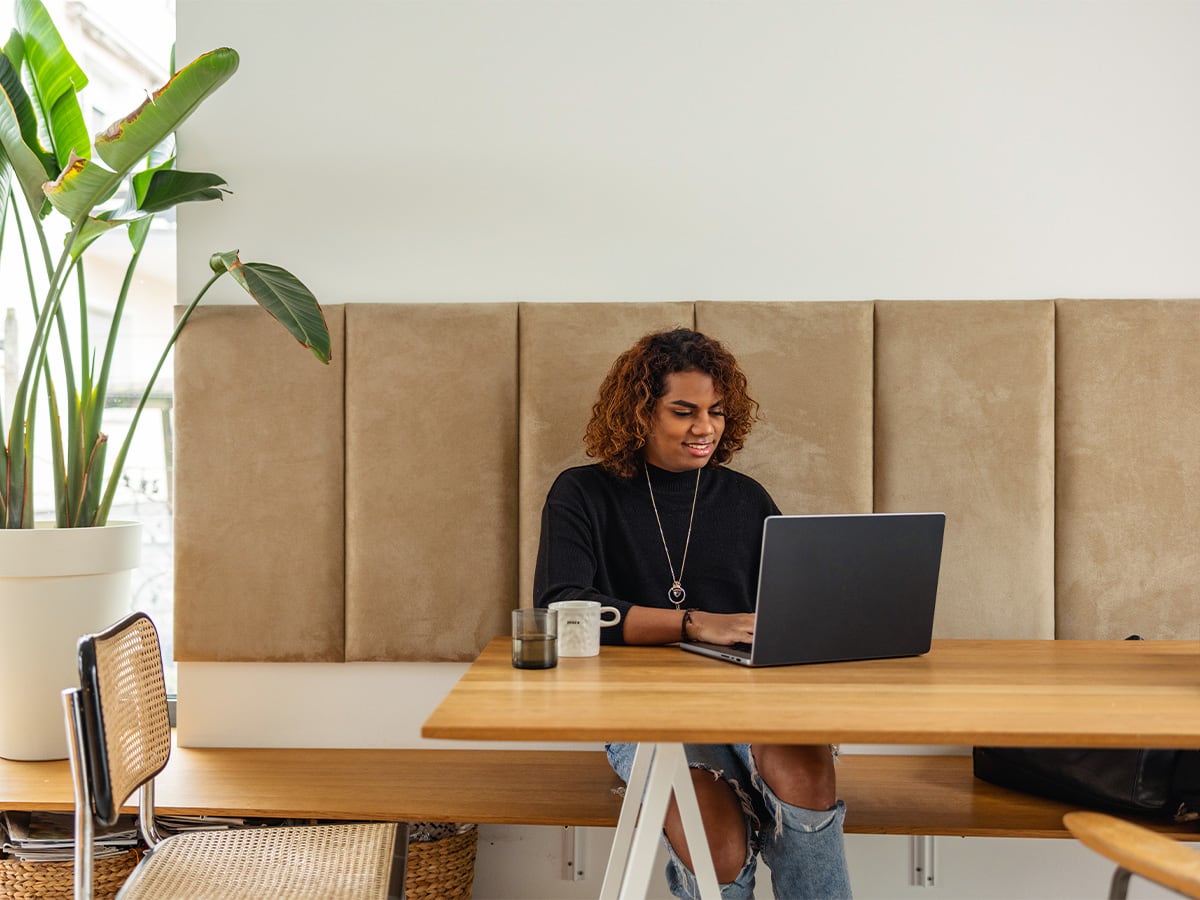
386 508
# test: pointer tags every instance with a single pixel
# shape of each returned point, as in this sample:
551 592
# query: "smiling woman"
672 411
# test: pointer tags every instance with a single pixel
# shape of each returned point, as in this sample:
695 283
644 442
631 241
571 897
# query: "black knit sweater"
600 540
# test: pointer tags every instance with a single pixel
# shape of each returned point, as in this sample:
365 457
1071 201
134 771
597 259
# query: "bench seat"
885 794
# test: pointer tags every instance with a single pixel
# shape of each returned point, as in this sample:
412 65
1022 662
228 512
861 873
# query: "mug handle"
604 623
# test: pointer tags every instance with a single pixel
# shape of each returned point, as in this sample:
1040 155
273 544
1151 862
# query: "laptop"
842 587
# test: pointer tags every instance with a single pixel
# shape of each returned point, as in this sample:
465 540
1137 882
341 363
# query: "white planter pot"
55 585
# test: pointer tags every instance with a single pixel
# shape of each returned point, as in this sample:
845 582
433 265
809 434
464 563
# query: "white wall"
660 149
696 149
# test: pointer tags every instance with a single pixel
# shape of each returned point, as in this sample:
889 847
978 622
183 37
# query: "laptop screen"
840 587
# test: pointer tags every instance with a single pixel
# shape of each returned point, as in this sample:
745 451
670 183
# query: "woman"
662 530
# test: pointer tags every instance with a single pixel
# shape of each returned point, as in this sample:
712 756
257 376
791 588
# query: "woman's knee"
799 774
724 826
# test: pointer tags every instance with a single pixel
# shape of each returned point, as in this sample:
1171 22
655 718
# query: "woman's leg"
804 846
724 826
800 774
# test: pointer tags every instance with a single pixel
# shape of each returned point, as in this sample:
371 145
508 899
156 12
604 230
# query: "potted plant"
63 578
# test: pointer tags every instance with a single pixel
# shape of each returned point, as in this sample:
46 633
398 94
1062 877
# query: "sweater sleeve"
567 564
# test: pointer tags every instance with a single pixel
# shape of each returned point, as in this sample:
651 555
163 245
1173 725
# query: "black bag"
1148 782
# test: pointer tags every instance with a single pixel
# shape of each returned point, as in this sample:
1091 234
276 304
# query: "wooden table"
1015 693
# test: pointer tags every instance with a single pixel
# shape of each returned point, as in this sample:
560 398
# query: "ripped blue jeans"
803 847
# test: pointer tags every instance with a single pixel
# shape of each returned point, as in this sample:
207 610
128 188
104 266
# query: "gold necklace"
675 593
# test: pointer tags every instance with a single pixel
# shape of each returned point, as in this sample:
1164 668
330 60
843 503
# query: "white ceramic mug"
579 624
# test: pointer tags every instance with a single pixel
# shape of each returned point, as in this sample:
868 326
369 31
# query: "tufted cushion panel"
1128 469
259 572
964 424
431 452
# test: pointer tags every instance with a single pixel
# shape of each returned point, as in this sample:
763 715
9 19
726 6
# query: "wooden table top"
963 692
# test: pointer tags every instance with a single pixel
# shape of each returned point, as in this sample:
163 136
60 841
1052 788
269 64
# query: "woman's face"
687 423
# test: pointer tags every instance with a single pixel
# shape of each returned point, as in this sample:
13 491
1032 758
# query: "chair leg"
1120 884
84 827
399 863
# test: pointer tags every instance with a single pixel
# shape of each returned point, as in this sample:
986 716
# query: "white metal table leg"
667 771
632 804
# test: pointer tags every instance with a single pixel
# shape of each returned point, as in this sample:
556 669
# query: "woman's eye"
682 413
717 412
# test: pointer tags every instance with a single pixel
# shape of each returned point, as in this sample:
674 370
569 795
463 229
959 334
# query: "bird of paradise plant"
119 181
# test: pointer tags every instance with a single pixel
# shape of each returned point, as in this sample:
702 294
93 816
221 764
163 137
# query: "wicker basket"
21 880
443 869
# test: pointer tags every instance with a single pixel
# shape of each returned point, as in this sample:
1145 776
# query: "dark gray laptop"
834 588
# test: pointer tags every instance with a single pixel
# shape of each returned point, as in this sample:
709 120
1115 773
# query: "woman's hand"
721 628
647 625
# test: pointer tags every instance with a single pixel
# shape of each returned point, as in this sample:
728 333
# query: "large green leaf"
86 184
14 48
10 82
93 228
56 79
29 168
282 295
126 142
51 65
151 191
68 130
162 189
138 232
82 186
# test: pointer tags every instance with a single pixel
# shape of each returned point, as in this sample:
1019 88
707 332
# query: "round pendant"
676 594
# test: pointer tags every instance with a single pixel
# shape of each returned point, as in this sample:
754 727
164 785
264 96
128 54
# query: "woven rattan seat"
120 739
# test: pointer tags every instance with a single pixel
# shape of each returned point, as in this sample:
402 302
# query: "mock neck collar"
672 482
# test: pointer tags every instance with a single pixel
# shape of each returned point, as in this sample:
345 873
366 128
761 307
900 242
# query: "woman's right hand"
721 628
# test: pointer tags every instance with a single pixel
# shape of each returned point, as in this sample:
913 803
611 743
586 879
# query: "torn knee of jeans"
778 808
739 792
802 819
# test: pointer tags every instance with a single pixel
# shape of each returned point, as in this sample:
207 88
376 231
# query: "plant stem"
119 461
20 515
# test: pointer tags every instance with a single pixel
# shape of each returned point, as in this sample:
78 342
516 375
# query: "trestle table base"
658 770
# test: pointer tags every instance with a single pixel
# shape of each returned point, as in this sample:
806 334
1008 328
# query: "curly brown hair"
622 414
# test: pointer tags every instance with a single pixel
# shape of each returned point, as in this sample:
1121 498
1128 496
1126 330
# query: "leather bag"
1145 782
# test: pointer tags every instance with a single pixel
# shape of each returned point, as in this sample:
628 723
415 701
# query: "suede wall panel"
431 489
259 568
566 350
962 419
810 368
1128 469
964 423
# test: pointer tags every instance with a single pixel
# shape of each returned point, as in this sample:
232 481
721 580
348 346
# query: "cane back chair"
120 738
